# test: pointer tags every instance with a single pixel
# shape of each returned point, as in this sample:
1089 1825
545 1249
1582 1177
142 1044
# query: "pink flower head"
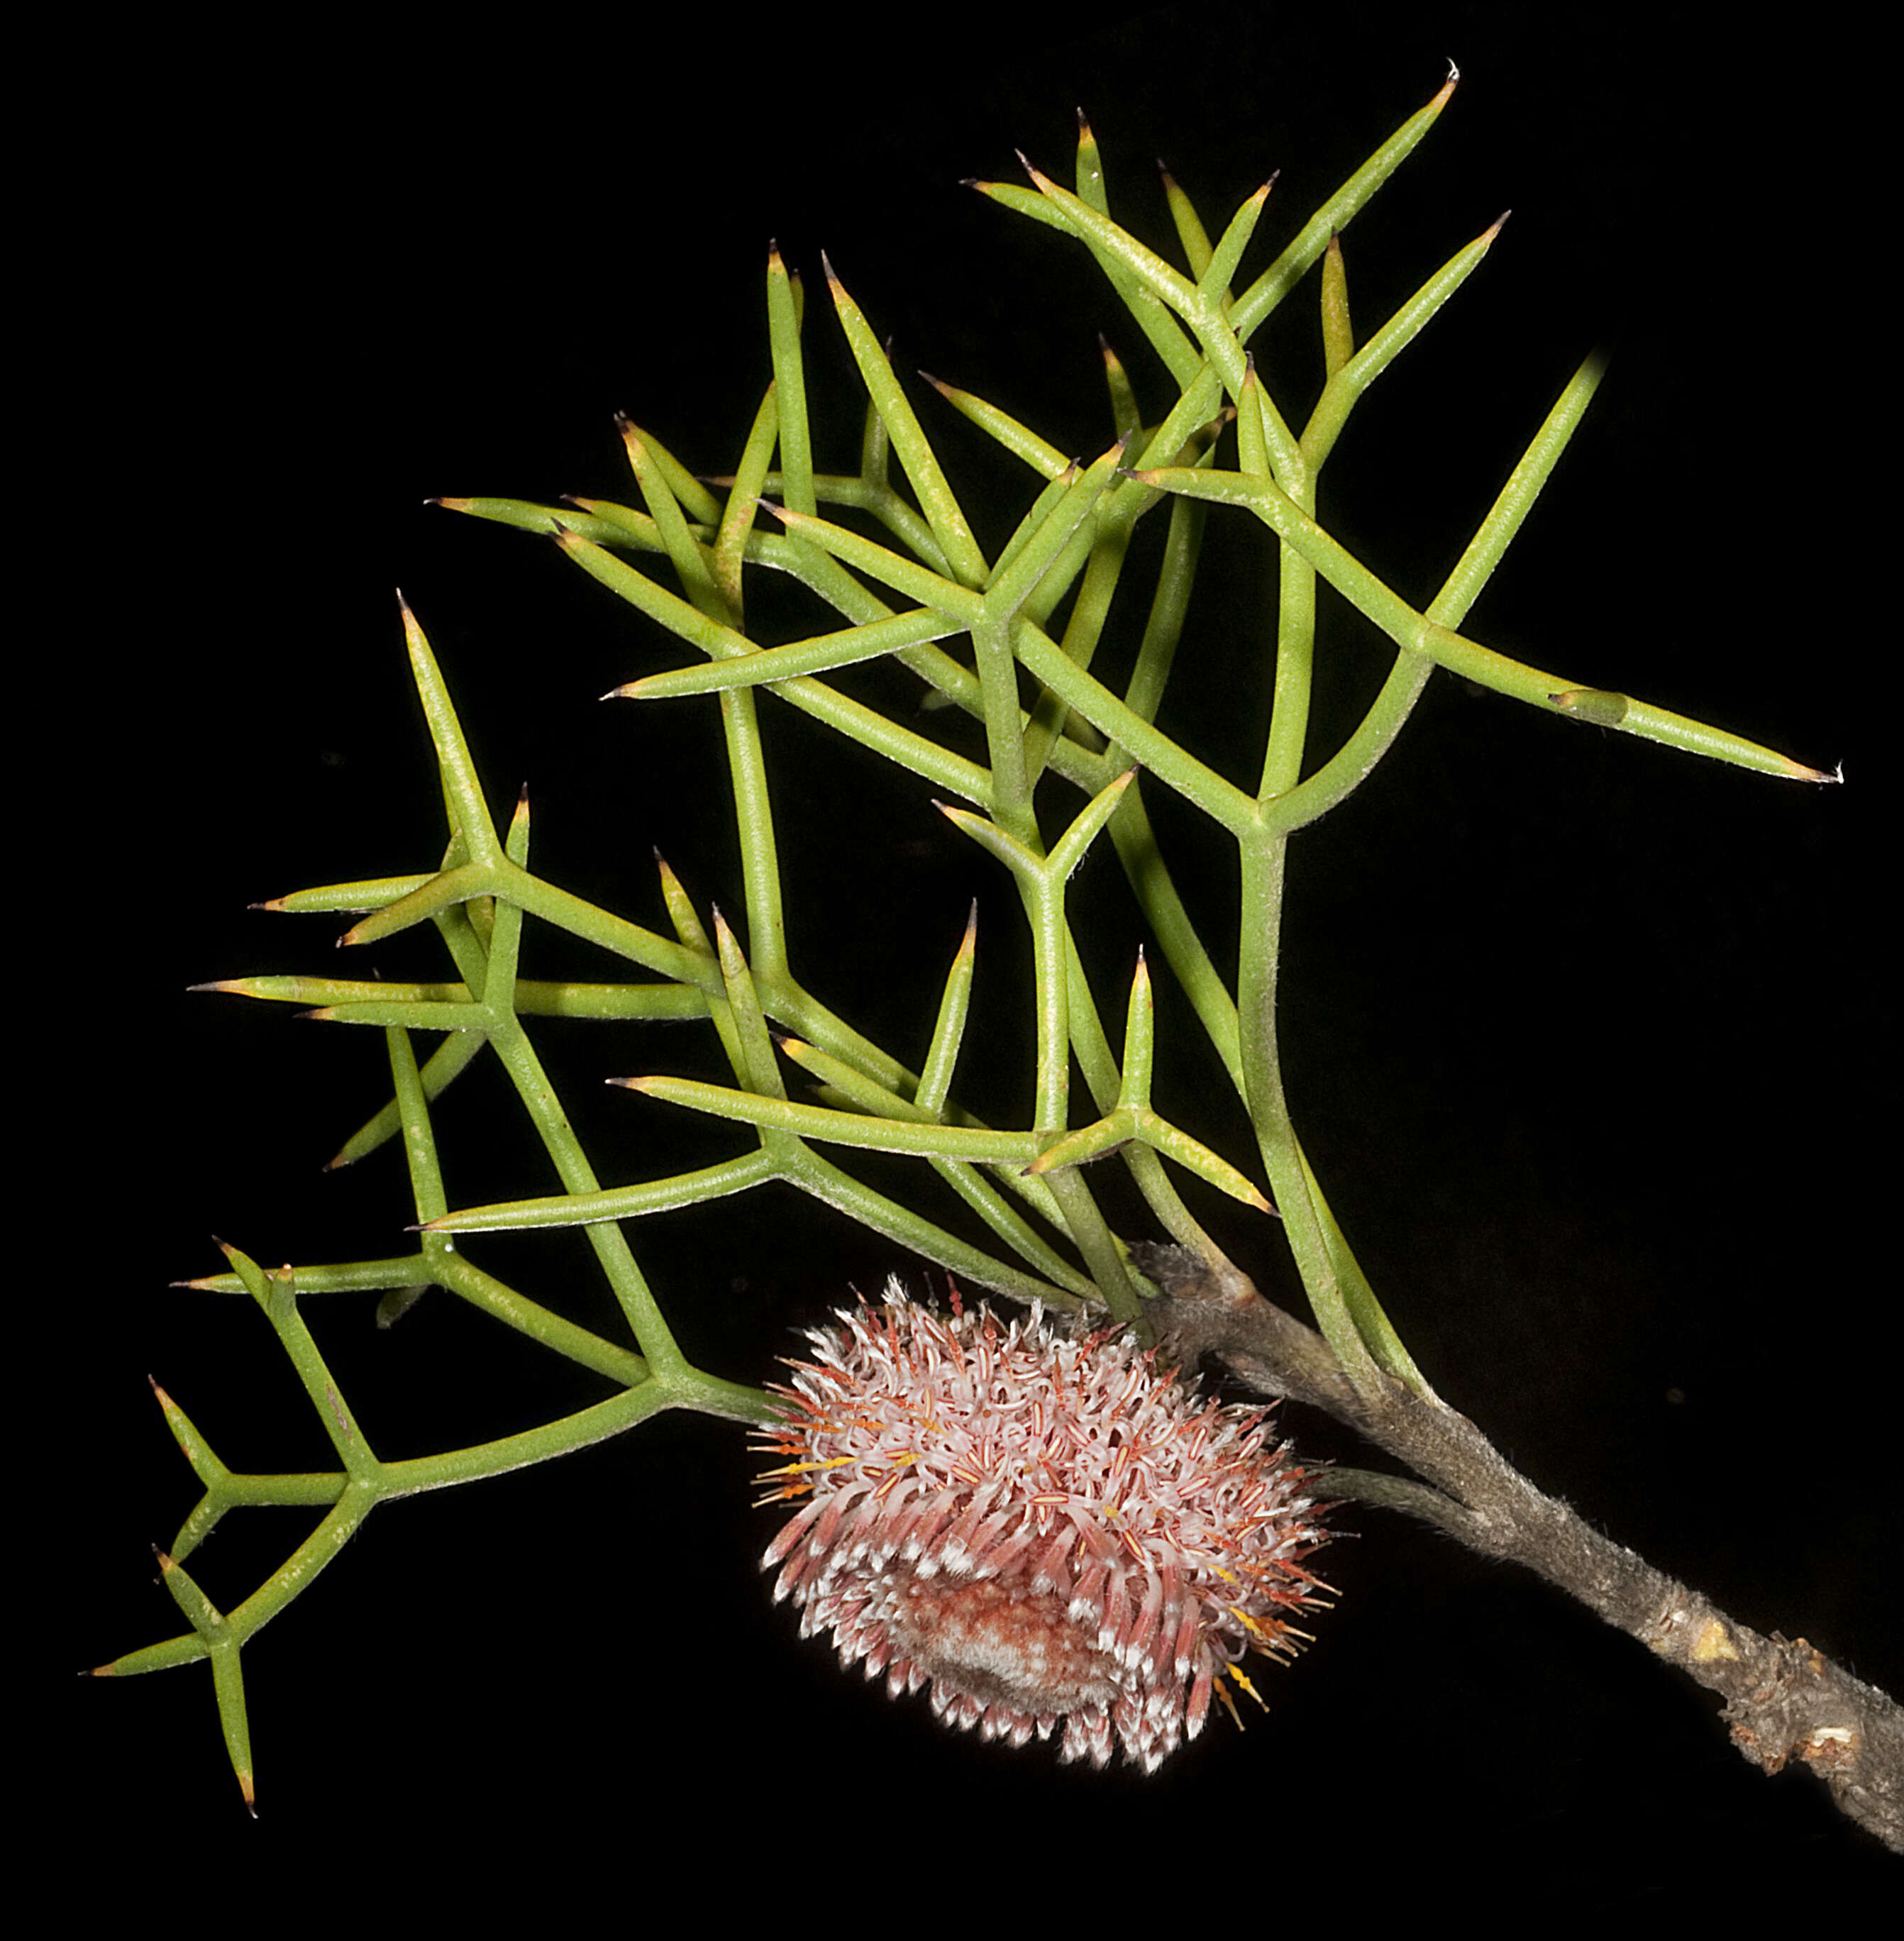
1039 1525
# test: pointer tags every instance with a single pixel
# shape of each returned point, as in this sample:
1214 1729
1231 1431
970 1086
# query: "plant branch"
1784 1699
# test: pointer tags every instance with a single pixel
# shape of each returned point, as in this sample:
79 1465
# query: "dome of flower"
1036 1525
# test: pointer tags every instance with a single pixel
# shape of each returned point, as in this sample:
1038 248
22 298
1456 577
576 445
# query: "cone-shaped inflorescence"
1038 1526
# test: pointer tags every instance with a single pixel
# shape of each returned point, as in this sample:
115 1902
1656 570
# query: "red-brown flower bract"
1040 1525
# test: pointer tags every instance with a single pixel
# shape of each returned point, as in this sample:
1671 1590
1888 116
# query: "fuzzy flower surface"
1038 1526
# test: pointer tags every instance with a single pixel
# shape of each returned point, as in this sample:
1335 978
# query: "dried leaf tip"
1084 127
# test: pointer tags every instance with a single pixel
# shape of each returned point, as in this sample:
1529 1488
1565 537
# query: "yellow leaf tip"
1039 178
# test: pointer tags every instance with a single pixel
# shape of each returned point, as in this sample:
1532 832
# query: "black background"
1586 1038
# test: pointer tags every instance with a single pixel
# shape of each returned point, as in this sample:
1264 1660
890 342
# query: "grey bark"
1783 1699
